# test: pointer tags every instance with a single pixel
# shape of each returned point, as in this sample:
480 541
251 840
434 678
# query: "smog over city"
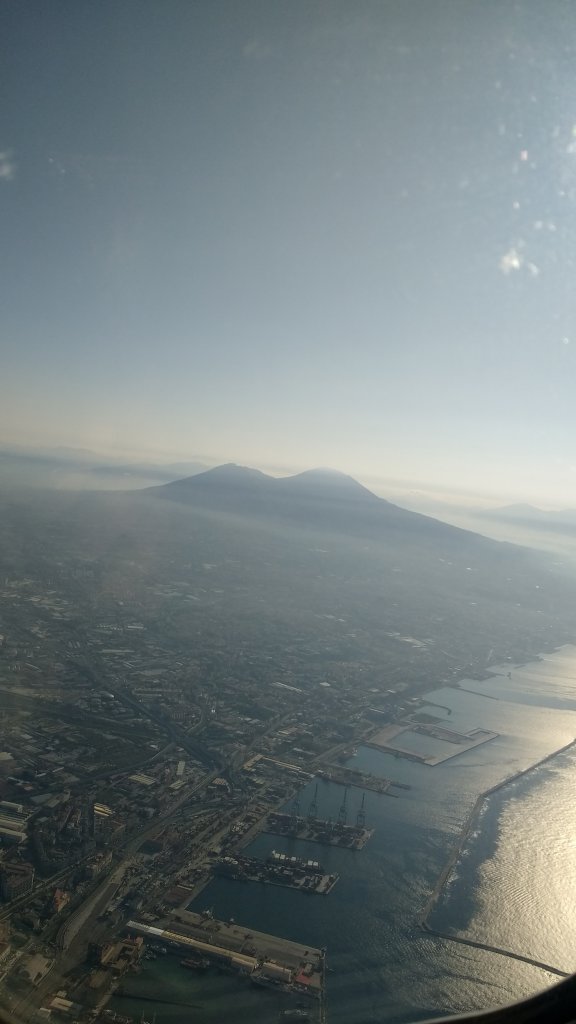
287 509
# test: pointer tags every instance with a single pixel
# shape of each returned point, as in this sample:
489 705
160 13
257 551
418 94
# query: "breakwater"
477 693
496 949
122 993
472 818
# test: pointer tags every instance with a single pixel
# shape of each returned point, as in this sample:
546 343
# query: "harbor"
351 921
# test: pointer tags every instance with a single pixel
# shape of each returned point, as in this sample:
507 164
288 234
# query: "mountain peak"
323 473
232 472
230 475
328 483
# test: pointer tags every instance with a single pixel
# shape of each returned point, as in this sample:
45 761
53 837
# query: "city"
137 766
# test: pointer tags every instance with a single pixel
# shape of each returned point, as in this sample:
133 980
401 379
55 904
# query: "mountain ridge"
315 484
532 516
322 498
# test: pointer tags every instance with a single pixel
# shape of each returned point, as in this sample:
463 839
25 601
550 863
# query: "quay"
318 830
362 780
266 960
279 869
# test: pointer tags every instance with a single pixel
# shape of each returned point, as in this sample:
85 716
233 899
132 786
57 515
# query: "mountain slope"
319 498
331 543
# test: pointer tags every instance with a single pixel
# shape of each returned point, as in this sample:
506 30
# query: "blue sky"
294 233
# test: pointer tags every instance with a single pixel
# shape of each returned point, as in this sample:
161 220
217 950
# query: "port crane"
313 807
343 812
295 811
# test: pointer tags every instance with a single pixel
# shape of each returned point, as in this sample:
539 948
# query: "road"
91 907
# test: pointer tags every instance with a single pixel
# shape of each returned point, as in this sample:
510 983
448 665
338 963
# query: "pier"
318 830
278 869
267 960
462 742
352 777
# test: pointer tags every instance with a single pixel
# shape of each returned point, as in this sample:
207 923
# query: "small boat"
195 963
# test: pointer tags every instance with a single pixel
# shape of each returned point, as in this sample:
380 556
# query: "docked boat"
195 963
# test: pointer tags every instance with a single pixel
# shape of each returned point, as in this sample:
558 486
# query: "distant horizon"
431 491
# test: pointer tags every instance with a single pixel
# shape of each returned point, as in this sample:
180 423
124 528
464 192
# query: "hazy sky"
301 232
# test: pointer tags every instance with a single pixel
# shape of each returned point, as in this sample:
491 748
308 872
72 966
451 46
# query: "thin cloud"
7 165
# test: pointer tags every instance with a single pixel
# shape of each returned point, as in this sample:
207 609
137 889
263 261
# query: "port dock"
318 830
267 960
279 869
345 776
383 740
